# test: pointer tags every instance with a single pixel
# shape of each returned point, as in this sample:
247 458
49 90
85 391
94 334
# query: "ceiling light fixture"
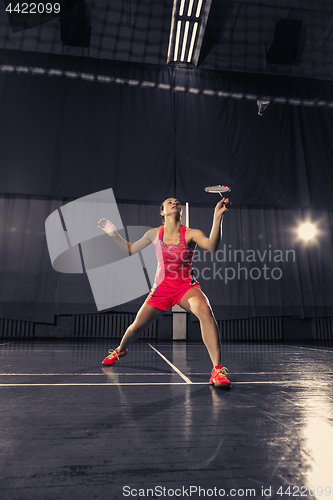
188 25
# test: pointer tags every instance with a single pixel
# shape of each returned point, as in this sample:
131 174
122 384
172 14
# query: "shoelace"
113 352
223 371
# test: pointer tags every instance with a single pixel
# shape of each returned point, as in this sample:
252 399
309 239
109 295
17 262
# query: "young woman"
174 281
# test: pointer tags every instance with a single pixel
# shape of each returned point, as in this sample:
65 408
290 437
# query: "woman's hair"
162 208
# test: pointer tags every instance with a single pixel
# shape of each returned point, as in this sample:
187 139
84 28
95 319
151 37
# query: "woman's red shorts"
164 296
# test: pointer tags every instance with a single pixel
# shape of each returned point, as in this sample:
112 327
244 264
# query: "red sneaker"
114 356
219 377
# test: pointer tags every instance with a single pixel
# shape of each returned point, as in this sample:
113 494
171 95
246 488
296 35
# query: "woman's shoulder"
153 233
190 230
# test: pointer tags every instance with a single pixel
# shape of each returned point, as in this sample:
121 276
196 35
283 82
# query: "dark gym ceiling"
237 37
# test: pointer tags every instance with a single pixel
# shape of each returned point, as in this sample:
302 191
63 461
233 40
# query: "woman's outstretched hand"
221 208
107 226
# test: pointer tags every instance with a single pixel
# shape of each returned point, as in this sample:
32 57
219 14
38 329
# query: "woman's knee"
135 328
144 319
203 311
138 326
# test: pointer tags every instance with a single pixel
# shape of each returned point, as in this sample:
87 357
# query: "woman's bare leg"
195 301
145 317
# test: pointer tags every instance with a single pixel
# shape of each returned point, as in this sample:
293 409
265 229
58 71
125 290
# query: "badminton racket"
219 188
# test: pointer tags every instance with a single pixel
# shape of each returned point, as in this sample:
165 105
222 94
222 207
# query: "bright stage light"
307 231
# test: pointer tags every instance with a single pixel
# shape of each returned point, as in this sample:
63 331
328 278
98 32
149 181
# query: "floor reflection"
319 443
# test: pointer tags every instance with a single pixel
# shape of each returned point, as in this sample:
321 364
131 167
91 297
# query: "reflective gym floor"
152 427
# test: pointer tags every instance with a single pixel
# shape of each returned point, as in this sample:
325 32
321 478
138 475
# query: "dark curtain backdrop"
272 272
67 137
64 138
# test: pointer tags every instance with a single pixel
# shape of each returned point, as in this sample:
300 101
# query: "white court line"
102 384
187 380
105 384
311 348
32 351
124 374
81 374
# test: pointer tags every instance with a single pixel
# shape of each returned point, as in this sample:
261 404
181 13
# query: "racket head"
219 188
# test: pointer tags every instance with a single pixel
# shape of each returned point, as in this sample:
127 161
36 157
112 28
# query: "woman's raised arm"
129 248
215 236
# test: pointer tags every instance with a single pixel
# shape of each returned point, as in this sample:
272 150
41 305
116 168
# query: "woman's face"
171 206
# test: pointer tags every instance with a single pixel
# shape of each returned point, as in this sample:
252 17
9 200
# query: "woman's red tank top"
174 261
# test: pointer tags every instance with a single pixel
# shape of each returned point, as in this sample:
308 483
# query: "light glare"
197 14
194 32
307 231
177 40
181 10
184 41
189 12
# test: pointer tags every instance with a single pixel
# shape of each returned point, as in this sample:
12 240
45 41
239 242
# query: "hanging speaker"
285 44
75 24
